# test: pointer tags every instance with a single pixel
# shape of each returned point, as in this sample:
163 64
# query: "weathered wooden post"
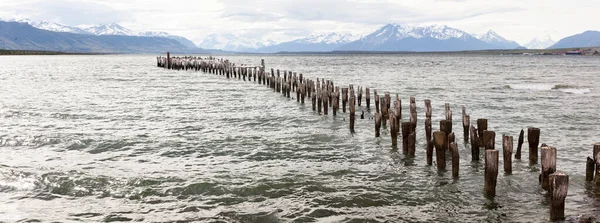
481 126
428 120
533 137
388 100
344 99
559 184
412 140
491 172
393 131
466 121
325 100
384 111
597 160
368 99
440 139
406 130
548 165
507 149
474 144
360 92
377 124
489 139
455 159
413 113
589 169
314 100
319 99
168 60
376 101
429 152
448 111
519 145
352 112
336 101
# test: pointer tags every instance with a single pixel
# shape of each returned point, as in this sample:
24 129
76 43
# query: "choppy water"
114 138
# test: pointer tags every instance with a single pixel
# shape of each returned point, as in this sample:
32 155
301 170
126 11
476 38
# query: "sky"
283 20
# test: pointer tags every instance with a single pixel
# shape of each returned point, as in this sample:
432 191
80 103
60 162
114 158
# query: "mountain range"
37 35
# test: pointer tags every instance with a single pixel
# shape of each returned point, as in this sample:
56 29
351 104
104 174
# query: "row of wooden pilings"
324 94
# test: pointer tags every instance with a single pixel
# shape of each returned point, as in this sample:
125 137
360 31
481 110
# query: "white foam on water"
576 90
535 87
551 87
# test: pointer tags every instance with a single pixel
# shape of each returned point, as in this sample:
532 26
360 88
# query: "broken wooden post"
446 126
548 165
440 139
448 111
336 101
489 139
455 159
533 137
466 121
388 100
474 144
589 169
413 113
559 184
491 172
325 100
368 99
314 100
507 149
412 140
481 126
519 145
377 124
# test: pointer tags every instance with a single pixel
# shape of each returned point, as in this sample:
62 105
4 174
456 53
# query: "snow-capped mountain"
313 43
540 43
186 42
232 42
111 29
52 26
498 41
395 37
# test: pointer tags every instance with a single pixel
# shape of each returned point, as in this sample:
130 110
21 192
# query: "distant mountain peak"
111 29
540 42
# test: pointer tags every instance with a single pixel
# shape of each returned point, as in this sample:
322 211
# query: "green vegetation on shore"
38 52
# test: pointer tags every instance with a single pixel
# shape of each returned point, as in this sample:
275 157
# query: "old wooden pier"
323 95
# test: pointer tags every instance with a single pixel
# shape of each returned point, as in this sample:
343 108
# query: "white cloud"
519 20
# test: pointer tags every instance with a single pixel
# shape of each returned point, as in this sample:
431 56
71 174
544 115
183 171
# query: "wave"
549 87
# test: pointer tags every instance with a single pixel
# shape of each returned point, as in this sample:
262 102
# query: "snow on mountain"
395 37
540 43
186 42
232 42
331 38
495 39
313 43
52 26
111 29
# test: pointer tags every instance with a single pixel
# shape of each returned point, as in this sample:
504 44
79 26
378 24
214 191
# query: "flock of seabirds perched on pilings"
324 95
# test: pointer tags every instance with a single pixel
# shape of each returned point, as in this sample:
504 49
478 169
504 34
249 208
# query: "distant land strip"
40 52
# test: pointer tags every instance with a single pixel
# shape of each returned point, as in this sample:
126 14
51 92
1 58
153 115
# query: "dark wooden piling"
519 145
368 98
314 101
466 122
388 100
344 99
548 165
589 169
474 144
559 184
376 101
429 152
448 111
455 159
325 100
397 111
446 126
440 139
596 156
413 112
406 130
384 111
360 92
533 137
319 99
428 120
394 131
352 113
377 118
168 60
491 172
489 140
481 126
507 149
412 140
336 101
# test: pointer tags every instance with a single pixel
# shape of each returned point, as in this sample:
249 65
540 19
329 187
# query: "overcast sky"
519 20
